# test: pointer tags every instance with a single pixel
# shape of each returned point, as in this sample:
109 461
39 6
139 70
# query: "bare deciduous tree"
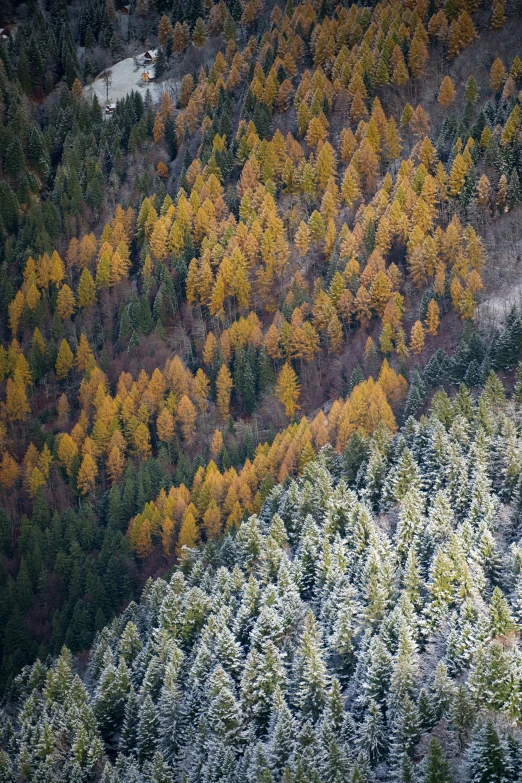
107 80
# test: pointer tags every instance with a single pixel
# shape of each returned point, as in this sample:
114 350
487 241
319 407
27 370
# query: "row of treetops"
303 206
218 500
300 30
352 49
167 407
242 263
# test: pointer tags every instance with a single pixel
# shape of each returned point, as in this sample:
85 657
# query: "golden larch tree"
216 445
365 409
302 239
288 389
9 471
158 130
65 302
165 424
143 542
224 386
417 337
86 289
67 451
86 478
187 416
432 318
141 440
189 532
498 16
64 360
83 353
497 75
115 464
56 269
447 93
165 30
16 403
458 173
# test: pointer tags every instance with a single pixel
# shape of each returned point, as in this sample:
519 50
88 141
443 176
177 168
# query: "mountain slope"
297 244
363 627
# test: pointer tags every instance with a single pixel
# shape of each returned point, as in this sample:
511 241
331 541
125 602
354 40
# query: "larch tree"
64 360
417 57
187 415
86 478
165 425
498 16
67 451
86 289
458 173
365 409
158 130
83 353
224 385
447 93
16 403
484 192
188 534
9 470
432 318
199 34
417 337
497 75
502 194
65 302
165 30
302 239
288 389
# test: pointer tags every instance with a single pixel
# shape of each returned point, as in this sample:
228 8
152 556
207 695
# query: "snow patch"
128 75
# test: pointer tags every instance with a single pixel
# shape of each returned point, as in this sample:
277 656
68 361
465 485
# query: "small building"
146 77
110 108
150 56
5 33
125 10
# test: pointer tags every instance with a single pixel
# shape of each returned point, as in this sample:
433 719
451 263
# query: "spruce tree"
147 732
436 767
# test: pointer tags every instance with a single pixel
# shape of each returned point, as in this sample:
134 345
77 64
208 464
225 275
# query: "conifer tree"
446 93
64 360
288 389
437 769
147 733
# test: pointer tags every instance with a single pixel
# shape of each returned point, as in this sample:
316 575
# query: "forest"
261 391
